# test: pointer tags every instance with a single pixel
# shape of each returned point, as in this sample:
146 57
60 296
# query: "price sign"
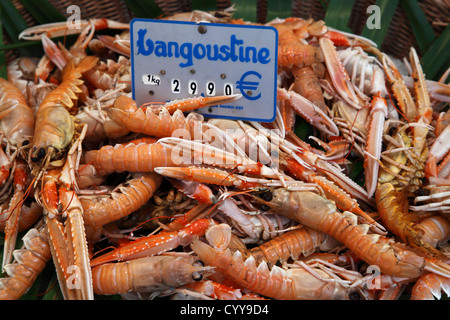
176 59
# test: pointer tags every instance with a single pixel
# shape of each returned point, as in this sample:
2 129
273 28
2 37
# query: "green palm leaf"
423 32
43 12
338 14
144 8
279 9
245 9
13 24
203 5
437 58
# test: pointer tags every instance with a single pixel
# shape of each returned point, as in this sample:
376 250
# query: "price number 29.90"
193 88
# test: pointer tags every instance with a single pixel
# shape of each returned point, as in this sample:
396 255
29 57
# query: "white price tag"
151 79
177 59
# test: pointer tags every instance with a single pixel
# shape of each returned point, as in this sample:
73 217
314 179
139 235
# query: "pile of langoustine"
250 211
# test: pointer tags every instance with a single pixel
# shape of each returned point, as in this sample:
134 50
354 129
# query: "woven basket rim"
397 42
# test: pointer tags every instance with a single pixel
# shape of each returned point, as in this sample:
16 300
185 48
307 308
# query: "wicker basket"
397 42
115 10
399 37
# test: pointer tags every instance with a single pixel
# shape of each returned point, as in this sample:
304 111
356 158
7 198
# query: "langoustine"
299 163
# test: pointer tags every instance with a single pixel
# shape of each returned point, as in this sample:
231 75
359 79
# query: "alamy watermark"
224 147
374 281
73 281
374 20
74 20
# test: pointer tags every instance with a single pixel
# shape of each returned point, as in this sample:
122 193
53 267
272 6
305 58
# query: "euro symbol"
246 86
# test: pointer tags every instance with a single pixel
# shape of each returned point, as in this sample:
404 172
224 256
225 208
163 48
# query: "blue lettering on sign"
189 51
244 86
